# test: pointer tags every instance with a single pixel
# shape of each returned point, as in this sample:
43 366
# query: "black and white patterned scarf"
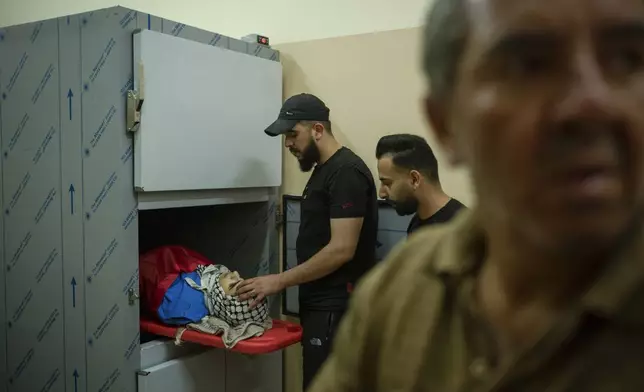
224 306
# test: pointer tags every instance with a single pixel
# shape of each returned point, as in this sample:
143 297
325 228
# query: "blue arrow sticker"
70 95
74 292
76 380
71 197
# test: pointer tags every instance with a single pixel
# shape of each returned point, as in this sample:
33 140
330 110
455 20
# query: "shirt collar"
460 253
618 288
614 294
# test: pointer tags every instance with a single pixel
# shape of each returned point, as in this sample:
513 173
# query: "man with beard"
540 287
409 180
338 224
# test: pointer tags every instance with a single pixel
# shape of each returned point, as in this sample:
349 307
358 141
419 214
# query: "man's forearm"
323 263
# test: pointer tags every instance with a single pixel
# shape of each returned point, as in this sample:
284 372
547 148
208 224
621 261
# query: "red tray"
282 335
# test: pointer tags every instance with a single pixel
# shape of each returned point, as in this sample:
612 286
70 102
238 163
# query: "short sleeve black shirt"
443 215
342 187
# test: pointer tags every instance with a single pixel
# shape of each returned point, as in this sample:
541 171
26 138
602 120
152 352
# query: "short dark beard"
405 207
310 156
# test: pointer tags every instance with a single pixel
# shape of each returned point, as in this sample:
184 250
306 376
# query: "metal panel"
206 37
271 264
254 373
72 217
3 250
392 229
177 29
262 51
149 22
194 34
32 207
216 120
200 373
238 45
109 204
163 350
291 206
160 200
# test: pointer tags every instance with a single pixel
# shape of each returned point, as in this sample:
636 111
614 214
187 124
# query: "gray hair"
444 39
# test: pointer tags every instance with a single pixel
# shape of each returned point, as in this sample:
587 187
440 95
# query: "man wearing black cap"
337 237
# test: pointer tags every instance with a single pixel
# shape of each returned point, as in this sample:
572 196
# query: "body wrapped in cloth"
226 314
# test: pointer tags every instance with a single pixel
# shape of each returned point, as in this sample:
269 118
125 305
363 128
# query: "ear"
415 178
437 115
317 130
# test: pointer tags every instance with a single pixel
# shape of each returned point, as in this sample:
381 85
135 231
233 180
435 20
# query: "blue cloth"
182 304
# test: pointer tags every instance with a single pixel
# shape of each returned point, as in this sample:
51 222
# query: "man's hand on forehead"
259 288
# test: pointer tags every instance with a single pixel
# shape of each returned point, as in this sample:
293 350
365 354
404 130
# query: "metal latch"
134 105
279 216
132 296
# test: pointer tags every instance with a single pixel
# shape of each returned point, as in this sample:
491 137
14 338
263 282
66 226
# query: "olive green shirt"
411 326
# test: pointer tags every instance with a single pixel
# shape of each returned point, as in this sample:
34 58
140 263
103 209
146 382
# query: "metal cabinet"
254 373
191 368
205 372
70 232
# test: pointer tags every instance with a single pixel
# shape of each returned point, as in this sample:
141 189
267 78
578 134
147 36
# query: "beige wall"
373 86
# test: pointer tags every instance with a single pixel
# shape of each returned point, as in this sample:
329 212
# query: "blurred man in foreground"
408 172
541 286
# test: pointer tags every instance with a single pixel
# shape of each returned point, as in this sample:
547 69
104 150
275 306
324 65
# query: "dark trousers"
318 330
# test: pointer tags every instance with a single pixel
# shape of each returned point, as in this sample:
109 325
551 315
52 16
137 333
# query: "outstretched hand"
259 288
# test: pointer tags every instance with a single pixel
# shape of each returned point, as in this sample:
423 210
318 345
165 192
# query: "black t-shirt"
441 216
341 187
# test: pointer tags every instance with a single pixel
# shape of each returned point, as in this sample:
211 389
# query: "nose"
382 192
587 95
288 143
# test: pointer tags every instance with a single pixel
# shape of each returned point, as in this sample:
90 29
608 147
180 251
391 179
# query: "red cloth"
159 268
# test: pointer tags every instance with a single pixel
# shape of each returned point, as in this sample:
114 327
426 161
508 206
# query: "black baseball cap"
301 107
